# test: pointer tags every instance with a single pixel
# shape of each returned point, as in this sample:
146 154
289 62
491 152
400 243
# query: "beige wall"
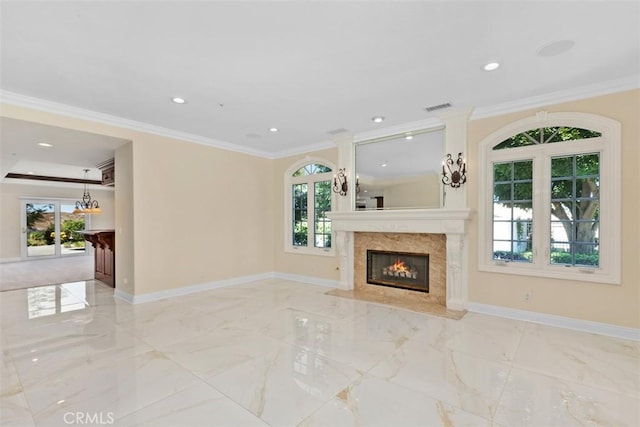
323 267
199 214
124 206
615 304
10 211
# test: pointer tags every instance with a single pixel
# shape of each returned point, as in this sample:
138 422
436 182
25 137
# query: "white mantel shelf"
451 222
446 221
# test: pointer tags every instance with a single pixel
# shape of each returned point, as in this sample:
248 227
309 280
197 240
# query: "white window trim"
609 147
288 207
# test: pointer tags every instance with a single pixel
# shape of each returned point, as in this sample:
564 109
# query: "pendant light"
87 205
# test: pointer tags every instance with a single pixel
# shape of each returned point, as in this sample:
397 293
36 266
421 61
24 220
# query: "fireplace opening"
405 270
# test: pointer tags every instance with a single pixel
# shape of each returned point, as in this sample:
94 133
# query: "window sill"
581 274
302 250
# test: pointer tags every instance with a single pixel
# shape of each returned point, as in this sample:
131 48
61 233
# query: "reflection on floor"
419 306
41 272
280 353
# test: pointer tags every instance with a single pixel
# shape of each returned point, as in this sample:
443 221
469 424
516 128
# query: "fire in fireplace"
406 270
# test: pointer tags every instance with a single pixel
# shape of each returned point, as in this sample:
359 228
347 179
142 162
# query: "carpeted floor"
25 274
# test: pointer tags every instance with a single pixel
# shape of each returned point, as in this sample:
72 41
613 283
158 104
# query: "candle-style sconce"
340 185
357 185
454 173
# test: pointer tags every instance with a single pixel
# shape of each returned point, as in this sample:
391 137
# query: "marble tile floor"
279 353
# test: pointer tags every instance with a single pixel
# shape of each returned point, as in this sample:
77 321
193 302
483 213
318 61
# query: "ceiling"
311 69
70 152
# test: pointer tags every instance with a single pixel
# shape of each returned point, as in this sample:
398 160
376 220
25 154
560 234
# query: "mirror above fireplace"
400 171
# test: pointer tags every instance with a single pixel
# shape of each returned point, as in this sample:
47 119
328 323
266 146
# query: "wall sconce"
455 173
357 184
340 182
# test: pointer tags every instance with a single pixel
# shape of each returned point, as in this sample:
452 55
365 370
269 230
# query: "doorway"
50 229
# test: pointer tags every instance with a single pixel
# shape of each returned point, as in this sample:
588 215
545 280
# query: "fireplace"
405 270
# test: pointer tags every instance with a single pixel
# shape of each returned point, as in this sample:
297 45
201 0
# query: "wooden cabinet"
104 244
108 172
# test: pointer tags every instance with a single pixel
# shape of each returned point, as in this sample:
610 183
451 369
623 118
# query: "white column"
456 275
346 160
345 255
344 239
456 142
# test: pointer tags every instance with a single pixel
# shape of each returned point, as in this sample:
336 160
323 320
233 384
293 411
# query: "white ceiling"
71 151
307 68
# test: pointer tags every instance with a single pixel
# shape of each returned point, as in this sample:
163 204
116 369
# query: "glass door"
40 232
51 229
71 241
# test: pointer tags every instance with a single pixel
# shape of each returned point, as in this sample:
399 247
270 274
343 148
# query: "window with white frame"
550 198
308 197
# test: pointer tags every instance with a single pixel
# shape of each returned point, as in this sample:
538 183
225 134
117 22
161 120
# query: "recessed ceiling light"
555 48
383 165
492 66
273 129
408 136
30 173
178 100
45 144
377 119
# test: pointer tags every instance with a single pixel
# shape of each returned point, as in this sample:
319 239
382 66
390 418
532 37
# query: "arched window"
550 198
308 197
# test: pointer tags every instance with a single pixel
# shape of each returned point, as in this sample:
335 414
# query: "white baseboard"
307 279
558 321
186 290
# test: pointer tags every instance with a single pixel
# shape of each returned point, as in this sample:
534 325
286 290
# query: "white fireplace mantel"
443 221
451 222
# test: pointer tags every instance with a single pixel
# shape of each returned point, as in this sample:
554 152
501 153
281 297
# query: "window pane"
522 191
512 211
588 164
502 192
502 171
587 187
311 169
546 135
41 227
300 216
587 210
575 210
561 166
322 205
523 170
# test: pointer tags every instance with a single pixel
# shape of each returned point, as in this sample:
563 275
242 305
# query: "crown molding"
81 113
430 123
304 149
603 88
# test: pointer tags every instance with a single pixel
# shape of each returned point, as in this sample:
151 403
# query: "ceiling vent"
337 131
438 107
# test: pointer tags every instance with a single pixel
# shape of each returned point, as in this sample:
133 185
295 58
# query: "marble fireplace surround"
448 222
